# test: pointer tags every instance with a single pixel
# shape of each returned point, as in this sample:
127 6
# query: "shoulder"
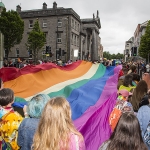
14 116
144 108
143 112
78 140
30 123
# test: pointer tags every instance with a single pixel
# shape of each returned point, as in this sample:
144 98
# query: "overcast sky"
119 18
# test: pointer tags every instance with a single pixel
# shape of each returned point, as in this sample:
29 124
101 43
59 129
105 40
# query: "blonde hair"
55 126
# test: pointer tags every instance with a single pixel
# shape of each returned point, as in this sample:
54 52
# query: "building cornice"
91 21
48 12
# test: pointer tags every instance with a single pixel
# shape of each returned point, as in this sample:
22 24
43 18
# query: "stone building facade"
1 39
65 33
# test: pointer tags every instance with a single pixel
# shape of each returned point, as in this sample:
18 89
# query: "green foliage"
36 40
112 56
144 48
12 27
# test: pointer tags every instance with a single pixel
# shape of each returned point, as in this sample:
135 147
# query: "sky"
119 18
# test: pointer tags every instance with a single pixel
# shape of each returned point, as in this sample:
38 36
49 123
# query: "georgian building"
132 45
65 33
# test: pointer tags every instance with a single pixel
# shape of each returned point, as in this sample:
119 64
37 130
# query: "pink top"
76 143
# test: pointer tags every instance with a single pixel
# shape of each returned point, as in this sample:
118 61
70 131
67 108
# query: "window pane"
58 35
44 22
30 23
59 23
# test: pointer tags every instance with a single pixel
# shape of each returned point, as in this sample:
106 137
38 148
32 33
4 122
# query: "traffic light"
63 52
50 52
47 50
135 51
30 53
59 51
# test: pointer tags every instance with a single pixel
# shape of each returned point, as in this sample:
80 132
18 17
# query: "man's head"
6 96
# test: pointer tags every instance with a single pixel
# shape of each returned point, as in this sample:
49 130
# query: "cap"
124 92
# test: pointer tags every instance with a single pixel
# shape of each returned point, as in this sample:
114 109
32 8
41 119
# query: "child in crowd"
122 105
32 113
126 136
124 94
9 120
127 83
56 130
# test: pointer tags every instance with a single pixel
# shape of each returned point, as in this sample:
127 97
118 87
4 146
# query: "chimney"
54 5
18 8
44 5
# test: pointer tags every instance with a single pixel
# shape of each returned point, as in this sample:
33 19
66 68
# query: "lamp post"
56 37
67 22
1 50
1 45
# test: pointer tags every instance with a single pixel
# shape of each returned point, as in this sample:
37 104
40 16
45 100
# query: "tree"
12 27
144 48
112 56
119 56
107 55
36 40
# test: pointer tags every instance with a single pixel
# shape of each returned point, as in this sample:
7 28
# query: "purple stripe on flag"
93 124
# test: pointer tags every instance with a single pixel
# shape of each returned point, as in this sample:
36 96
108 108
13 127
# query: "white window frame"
58 40
75 40
75 26
72 23
31 24
44 23
58 37
59 23
45 34
72 39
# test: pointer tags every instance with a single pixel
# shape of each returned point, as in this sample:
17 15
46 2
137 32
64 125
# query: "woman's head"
127 125
142 87
138 93
127 134
36 105
6 96
128 80
57 111
55 126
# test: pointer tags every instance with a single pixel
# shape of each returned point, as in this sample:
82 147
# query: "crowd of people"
20 63
46 123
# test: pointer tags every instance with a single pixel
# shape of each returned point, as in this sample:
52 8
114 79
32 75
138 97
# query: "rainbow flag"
91 90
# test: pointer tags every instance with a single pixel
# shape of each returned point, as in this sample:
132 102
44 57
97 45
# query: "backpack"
146 136
120 107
